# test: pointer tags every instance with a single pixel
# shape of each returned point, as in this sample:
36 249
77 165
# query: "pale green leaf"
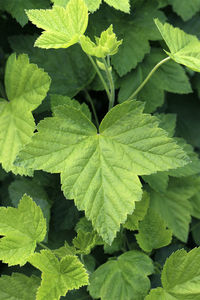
62 26
139 213
17 8
106 186
26 86
122 5
85 241
170 77
64 100
107 44
22 228
187 8
184 48
174 206
124 278
74 73
180 277
91 4
58 277
153 233
18 287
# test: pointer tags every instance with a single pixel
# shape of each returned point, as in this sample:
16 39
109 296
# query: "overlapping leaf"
58 277
26 86
174 206
69 69
180 277
129 275
97 180
184 48
22 228
153 233
62 26
18 287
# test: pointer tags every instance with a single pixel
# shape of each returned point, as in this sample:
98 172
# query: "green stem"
147 78
89 99
100 75
43 246
111 82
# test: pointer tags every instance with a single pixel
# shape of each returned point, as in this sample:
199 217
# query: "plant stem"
100 75
89 99
147 78
111 82
43 246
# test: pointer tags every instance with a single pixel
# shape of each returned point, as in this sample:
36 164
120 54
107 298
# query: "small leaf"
58 277
18 287
107 44
184 48
152 232
62 26
22 228
85 241
129 275
91 4
122 5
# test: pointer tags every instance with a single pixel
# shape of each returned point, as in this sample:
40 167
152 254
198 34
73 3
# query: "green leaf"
58 277
18 287
136 30
62 26
174 207
107 44
170 77
167 121
105 186
122 5
74 73
195 199
138 214
153 233
85 241
26 86
22 228
91 4
16 8
187 9
158 181
180 277
38 194
184 48
57 100
64 250
129 275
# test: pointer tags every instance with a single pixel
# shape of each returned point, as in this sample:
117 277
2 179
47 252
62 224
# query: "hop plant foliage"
99 150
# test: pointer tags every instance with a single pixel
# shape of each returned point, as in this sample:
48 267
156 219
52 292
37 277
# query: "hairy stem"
147 78
111 82
100 75
89 99
43 246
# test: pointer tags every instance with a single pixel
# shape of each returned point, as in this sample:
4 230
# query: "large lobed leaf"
26 86
106 186
22 228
